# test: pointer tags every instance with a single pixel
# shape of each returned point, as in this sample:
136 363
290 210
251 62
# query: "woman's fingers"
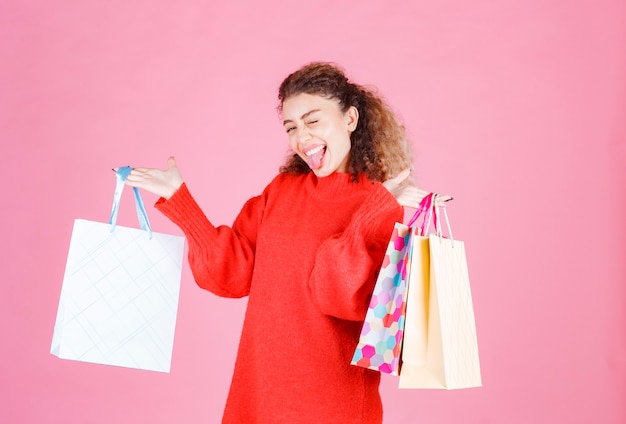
392 183
412 196
160 182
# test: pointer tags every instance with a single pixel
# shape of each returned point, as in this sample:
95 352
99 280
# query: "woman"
306 252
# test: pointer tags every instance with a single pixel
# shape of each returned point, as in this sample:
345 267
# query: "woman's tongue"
315 160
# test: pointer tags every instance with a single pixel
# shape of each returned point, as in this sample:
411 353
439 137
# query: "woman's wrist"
171 190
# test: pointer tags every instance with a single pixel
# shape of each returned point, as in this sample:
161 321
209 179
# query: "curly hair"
378 144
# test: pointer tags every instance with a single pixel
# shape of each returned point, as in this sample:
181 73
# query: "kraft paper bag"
440 348
120 290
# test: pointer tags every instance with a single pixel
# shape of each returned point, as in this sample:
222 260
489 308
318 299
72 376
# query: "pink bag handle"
436 210
425 207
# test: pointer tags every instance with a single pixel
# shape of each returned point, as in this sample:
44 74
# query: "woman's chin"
321 172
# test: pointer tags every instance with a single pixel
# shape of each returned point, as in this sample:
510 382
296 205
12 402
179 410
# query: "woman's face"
319 132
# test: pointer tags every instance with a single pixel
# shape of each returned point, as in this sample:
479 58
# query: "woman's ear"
351 118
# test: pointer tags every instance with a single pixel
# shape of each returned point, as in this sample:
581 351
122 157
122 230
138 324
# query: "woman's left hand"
163 183
407 193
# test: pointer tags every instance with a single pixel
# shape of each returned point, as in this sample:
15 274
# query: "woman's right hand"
407 193
163 183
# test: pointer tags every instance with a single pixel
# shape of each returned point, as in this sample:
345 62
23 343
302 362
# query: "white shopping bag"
440 349
120 291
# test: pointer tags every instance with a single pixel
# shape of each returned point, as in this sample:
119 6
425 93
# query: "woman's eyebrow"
302 117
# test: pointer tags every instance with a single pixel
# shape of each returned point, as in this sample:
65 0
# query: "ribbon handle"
445 216
427 207
436 211
120 177
424 206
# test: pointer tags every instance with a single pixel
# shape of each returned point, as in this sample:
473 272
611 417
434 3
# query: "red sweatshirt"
306 252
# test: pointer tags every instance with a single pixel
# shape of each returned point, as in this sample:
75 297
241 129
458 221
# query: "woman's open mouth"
315 156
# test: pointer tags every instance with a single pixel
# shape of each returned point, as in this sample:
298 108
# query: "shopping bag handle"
427 207
445 218
436 212
424 206
120 177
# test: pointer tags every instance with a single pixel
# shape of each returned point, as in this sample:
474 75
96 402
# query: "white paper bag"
119 296
440 348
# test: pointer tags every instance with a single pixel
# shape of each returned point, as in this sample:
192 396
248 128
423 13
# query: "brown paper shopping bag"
440 348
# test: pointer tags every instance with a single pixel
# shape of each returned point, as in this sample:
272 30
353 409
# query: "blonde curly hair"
378 144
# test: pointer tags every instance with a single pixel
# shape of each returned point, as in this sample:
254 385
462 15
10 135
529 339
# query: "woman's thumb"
400 177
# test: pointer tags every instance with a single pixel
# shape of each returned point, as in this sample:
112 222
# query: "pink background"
514 107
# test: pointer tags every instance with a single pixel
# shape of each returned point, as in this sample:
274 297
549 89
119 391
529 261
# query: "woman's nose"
303 135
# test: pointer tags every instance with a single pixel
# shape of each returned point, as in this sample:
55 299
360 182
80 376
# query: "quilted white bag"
120 290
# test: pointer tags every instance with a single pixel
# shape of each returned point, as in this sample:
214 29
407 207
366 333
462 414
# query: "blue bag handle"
120 176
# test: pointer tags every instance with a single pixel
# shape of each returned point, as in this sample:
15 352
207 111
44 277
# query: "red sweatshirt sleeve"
346 265
221 258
